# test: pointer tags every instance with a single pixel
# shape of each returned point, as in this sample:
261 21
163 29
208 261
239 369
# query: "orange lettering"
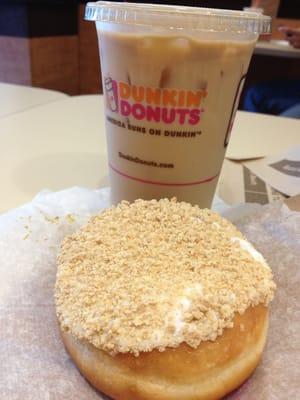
181 98
193 99
124 90
138 93
169 97
153 96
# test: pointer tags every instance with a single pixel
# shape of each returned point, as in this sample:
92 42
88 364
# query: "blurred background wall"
47 43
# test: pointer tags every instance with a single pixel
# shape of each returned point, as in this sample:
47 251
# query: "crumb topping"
154 274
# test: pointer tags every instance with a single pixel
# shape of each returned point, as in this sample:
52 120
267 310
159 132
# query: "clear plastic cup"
172 78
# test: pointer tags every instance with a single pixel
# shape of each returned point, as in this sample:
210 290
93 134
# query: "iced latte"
171 92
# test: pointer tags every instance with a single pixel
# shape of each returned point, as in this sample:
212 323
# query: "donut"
162 300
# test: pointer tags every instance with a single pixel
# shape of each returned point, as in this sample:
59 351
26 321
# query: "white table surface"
259 135
62 144
54 146
276 48
17 98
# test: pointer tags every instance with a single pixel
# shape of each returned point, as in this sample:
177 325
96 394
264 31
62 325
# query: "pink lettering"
194 116
138 111
158 114
153 114
182 114
125 108
168 115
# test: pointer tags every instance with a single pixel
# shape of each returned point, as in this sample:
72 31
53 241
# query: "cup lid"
178 17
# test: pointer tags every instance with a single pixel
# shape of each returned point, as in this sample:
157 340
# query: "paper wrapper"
239 184
281 171
34 364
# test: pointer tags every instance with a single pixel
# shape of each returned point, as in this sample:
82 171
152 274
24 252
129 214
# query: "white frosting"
156 336
183 304
197 287
248 247
232 297
177 321
213 314
216 225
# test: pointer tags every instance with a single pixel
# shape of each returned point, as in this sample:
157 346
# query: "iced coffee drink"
171 96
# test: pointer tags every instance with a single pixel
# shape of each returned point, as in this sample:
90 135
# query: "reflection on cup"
172 78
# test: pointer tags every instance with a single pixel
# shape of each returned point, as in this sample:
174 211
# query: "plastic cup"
172 78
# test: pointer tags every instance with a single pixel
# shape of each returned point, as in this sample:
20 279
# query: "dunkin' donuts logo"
154 104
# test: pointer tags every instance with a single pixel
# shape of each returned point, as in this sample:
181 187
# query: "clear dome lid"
178 17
